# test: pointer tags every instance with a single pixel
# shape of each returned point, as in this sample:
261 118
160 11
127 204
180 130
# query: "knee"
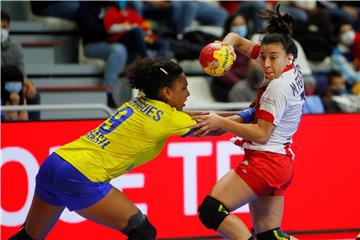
139 227
119 49
273 234
212 212
137 33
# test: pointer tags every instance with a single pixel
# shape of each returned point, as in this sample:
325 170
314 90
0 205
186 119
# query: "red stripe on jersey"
265 115
255 51
239 142
288 151
288 68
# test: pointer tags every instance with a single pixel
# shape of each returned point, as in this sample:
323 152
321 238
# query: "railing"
218 106
108 111
59 107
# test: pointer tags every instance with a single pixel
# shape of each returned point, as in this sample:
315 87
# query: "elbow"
262 141
263 138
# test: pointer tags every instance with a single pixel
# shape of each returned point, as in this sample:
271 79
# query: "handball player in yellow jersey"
77 174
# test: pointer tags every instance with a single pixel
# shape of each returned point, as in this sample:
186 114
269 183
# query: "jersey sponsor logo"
147 109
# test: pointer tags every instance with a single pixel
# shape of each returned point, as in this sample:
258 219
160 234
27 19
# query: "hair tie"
163 70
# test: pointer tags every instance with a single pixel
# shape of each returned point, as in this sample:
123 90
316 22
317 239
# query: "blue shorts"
59 183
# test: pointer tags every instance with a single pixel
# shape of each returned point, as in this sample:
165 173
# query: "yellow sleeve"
181 124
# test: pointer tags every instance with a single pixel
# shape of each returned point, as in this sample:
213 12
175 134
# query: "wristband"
247 115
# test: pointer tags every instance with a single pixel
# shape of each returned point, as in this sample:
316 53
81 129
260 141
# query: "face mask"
339 91
13 87
4 34
121 4
347 38
241 30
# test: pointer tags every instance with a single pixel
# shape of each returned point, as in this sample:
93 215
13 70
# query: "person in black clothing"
94 37
15 90
60 9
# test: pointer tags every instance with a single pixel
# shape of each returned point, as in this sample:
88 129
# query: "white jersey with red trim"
282 104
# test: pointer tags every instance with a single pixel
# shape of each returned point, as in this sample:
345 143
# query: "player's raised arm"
242 44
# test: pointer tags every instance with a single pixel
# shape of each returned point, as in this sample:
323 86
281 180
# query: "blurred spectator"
221 86
336 87
189 47
120 22
315 36
245 91
346 55
60 9
251 10
298 9
178 15
11 52
340 97
15 90
96 45
343 11
12 55
313 103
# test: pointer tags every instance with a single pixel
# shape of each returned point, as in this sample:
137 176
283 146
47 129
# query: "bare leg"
233 192
267 212
41 218
113 211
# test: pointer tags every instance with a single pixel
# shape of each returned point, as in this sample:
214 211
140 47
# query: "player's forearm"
251 132
242 44
235 118
220 113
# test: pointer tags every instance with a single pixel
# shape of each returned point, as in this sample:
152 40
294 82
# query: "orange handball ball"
216 59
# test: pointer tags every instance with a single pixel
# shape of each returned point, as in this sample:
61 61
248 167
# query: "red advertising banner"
325 192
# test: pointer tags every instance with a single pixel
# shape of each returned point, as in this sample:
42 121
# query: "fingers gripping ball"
216 59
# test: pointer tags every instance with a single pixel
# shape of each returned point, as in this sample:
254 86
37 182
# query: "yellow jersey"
135 134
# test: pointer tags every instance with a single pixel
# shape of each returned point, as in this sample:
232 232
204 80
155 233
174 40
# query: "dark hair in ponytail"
279 30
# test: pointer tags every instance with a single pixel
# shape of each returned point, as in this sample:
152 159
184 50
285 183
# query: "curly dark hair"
149 75
279 30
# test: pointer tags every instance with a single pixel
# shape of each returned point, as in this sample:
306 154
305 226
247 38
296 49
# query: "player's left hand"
207 124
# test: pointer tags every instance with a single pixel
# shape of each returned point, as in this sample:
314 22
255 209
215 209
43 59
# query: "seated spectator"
343 11
176 16
120 21
251 10
221 86
60 9
245 91
12 55
336 87
315 36
346 56
313 103
96 45
15 90
11 52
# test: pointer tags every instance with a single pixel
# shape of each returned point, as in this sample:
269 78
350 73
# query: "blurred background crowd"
46 43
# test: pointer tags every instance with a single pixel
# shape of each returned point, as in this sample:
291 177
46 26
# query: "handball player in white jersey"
267 168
